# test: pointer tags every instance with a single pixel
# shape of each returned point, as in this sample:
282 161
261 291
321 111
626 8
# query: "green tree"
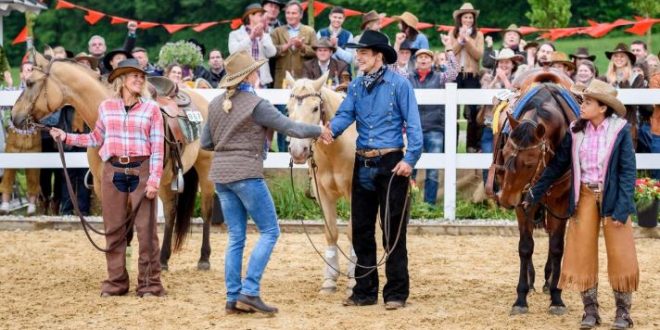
645 8
549 13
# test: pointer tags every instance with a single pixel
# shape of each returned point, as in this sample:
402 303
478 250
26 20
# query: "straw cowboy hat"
424 51
377 41
108 57
582 53
603 92
622 48
561 57
251 9
369 17
126 66
465 8
324 43
238 66
93 61
507 54
513 28
409 19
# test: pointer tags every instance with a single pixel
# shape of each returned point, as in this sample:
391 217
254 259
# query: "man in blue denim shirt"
383 104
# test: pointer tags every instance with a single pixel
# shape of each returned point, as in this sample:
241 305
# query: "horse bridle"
44 88
320 108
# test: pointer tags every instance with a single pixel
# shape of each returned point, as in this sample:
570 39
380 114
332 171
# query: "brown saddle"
174 105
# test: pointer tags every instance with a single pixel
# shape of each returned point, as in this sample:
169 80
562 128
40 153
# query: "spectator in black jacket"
512 39
97 46
216 69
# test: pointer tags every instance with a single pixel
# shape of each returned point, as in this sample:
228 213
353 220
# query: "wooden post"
310 13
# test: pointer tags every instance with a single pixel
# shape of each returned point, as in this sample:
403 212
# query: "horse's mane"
333 101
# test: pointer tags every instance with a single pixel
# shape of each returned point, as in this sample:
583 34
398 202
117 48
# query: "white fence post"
451 110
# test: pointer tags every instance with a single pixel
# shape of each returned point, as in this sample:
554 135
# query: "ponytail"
226 104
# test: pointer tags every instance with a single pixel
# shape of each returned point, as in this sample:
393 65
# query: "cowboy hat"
622 48
407 44
582 53
376 41
251 9
424 51
368 18
513 28
124 67
238 66
465 8
603 92
531 44
93 61
562 58
277 2
108 57
324 43
507 54
408 19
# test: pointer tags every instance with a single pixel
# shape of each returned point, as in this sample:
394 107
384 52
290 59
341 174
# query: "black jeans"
370 181
473 137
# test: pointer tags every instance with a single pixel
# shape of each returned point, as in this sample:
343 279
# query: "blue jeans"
238 199
434 142
486 146
282 143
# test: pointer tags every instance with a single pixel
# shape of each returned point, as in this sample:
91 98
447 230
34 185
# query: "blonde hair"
611 71
118 85
226 104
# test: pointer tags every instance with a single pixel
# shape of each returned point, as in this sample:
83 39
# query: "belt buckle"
124 160
127 170
366 163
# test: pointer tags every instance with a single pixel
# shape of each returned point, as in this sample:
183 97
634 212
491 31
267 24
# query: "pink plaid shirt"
592 152
137 132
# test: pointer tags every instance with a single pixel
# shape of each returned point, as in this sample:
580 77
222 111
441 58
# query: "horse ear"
512 121
40 60
318 83
540 131
289 79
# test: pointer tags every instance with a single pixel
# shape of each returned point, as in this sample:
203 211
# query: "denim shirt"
382 115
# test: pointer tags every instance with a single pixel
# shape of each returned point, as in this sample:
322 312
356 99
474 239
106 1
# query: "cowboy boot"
622 318
590 318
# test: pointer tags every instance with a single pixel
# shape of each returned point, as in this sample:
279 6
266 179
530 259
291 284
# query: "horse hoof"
203 265
164 267
546 289
557 310
329 286
328 290
517 310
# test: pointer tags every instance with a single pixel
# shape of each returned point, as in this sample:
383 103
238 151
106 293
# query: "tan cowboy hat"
583 54
561 57
603 92
238 66
465 8
368 18
408 18
93 61
424 51
622 48
507 54
513 28
324 43
251 9
124 67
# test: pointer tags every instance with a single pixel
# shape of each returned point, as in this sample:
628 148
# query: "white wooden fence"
451 97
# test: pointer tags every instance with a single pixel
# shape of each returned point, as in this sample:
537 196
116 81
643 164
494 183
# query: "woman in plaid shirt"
129 132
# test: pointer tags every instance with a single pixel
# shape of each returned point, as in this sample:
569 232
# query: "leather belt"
123 160
128 170
371 153
595 187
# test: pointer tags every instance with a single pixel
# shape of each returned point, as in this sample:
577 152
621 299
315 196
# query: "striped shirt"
136 132
592 153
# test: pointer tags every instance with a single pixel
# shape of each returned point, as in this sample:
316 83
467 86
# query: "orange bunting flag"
319 7
351 12
486 30
64 5
171 28
525 30
147 25
445 28
236 23
385 21
93 17
118 20
424 26
598 30
641 27
203 26
21 37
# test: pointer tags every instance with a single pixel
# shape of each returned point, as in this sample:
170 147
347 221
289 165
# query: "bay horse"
539 120
56 83
311 102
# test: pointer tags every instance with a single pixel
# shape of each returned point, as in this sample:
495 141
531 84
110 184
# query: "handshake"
326 133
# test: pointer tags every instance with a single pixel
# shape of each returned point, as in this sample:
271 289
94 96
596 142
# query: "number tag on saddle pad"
194 116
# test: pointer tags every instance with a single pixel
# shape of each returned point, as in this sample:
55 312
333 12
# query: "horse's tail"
185 206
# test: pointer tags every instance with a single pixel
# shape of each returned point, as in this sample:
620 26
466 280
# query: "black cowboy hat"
582 53
125 66
408 45
622 48
376 41
108 57
277 2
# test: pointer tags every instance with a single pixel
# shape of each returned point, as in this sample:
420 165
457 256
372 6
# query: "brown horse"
312 103
60 82
521 156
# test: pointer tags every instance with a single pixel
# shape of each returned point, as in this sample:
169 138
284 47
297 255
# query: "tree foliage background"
68 28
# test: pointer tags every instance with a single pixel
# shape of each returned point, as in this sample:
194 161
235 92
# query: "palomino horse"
544 111
56 83
312 103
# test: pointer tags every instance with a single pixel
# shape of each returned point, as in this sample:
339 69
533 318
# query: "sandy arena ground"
50 280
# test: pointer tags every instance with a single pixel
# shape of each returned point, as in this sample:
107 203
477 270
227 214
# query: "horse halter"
545 150
44 88
320 108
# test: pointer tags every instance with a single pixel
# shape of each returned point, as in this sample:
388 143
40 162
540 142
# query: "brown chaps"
579 269
117 192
